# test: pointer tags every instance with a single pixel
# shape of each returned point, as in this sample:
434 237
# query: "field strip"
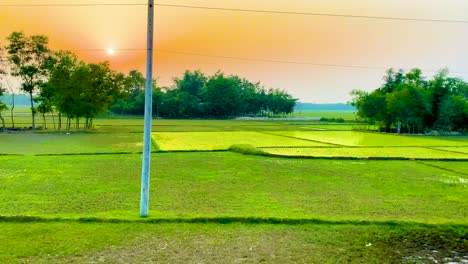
442 168
365 147
225 220
364 158
446 150
309 140
265 154
169 141
368 139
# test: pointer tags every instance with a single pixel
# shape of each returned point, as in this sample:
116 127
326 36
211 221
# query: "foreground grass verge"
224 184
215 243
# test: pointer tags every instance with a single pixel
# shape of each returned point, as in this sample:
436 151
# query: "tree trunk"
33 126
3 122
12 109
59 121
53 121
44 122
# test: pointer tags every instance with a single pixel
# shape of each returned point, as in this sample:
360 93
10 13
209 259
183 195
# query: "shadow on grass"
227 220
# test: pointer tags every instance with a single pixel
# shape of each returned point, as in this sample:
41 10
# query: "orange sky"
322 40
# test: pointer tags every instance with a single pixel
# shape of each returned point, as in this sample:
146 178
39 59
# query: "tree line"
408 103
57 82
196 95
60 84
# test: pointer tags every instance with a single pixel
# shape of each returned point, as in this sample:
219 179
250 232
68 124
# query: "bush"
248 150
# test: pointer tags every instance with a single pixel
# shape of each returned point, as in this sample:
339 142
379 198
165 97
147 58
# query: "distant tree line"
409 103
70 90
195 95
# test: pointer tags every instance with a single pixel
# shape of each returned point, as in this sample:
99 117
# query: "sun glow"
110 52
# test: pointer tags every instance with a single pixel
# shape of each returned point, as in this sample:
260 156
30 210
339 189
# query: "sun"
110 51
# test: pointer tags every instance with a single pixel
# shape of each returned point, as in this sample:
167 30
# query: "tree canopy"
409 103
195 95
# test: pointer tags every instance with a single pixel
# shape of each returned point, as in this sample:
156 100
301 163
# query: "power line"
248 11
263 60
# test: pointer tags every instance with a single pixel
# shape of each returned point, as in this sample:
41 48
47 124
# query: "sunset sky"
90 30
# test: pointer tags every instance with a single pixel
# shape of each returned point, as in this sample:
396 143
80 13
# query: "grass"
229 207
62 143
354 138
459 167
228 184
137 243
347 115
388 152
223 140
454 149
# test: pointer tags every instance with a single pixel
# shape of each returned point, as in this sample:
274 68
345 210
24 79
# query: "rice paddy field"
225 191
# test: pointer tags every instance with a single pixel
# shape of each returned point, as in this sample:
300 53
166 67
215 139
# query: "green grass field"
387 152
346 115
223 140
354 138
75 198
230 184
63 143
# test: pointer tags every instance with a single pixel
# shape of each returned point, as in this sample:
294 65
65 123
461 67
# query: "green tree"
45 98
222 96
3 107
195 95
61 83
371 106
453 114
27 57
100 87
191 83
407 107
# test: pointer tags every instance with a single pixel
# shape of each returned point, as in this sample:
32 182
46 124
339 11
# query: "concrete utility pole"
145 172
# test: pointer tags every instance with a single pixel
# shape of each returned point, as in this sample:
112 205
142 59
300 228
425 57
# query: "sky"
90 30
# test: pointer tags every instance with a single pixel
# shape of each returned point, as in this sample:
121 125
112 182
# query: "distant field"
223 140
405 152
354 138
346 115
73 143
454 149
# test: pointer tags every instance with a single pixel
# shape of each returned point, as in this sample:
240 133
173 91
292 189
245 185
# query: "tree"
3 107
27 56
45 99
414 104
222 96
407 106
392 79
371 106
191 83
219 96
454 113
61 83
99 87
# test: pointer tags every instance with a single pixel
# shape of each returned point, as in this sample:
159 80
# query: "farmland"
74 197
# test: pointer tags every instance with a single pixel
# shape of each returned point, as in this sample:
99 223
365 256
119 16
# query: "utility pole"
145 171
